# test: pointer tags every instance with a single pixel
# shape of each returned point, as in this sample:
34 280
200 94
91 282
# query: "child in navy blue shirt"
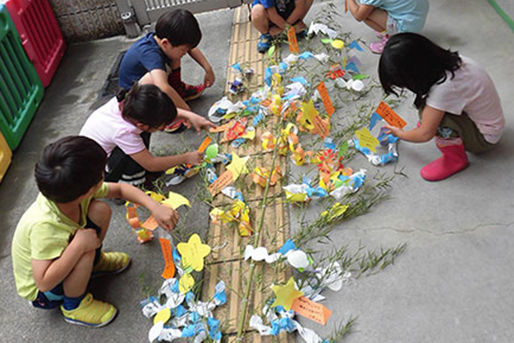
270 18
176 33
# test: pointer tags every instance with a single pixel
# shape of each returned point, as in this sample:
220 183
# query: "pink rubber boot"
454 160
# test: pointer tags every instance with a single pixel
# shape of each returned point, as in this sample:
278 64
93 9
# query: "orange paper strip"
150 223
390 116
293 43
311 310
204 144
345 6
221 182
327 103
169 266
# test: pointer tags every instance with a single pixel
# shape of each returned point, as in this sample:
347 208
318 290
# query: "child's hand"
87 239
198 122
166 217
209 78
193 158
395 131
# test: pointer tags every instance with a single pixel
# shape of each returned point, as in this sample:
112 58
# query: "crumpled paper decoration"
261 175
296 258
316 28
174 320
222 108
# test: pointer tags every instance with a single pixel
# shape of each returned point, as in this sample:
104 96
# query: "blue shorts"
54 297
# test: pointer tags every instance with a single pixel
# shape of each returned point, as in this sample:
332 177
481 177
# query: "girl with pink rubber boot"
456 98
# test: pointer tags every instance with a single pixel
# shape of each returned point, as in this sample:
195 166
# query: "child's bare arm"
360 12
159 78
431 118
200 58
194 120
275 18
160 163
48 273
165 216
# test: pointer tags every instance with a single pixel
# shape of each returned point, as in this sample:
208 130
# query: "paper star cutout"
286 295
193 252
308 113
175 200
238 165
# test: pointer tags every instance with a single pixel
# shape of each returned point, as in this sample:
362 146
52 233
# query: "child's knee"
99 210
258 12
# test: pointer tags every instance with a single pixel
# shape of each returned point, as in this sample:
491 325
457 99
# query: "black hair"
179 27
147 104
69 167
412 61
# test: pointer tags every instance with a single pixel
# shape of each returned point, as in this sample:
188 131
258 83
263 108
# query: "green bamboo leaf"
271 51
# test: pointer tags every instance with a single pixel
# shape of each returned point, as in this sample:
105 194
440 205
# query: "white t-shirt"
107 127
471 91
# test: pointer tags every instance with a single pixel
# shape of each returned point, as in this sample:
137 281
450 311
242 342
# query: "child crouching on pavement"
56 247
123 126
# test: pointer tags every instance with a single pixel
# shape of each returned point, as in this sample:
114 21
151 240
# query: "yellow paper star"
308 114
193 252
175 200
238 165
286 295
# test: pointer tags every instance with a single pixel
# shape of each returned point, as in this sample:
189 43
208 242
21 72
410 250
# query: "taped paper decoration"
286 295
311 310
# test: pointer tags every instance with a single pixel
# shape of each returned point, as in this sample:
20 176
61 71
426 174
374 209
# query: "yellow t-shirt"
43 233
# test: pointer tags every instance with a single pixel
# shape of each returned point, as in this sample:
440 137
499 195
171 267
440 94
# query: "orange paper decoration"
390 116
221 182
169 266
327 103
293 43
312 310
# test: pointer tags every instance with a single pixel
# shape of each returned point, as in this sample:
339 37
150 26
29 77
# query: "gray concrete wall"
87 19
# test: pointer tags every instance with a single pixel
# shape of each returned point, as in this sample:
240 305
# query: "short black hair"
69 167
179 27
148 105
412 61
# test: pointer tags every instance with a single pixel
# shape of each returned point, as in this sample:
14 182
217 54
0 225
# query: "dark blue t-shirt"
143 56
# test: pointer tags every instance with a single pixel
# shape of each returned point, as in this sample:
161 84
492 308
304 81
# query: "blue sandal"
264 43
